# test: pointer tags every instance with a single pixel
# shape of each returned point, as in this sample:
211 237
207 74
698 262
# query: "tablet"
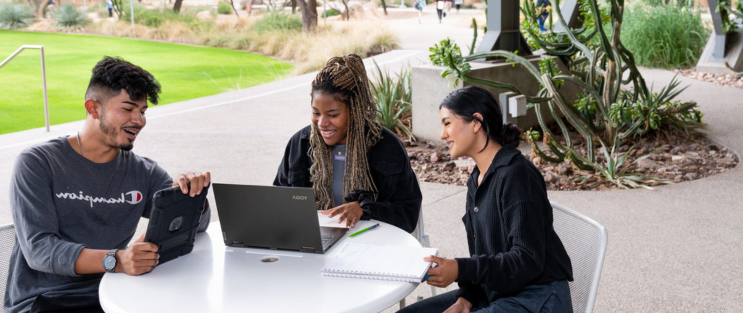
174 221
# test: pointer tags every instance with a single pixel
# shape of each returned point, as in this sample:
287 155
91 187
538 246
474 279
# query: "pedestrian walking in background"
440 8
110 6
448 6
458 4
419 4
544 6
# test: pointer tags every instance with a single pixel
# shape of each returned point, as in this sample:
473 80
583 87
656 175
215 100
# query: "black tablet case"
167 206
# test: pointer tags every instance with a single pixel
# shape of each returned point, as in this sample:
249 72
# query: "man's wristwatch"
109 261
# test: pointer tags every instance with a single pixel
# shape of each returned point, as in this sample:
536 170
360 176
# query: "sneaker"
444 14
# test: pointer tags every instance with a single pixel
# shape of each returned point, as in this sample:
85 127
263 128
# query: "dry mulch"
691 159
727 80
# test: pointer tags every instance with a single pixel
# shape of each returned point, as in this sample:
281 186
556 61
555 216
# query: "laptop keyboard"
326 238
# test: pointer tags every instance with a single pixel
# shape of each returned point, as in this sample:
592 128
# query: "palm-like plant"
622 176
393 95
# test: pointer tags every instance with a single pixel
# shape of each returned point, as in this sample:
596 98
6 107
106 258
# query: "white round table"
216 278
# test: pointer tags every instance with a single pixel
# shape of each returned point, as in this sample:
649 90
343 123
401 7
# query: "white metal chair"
419 234
7 241
585 241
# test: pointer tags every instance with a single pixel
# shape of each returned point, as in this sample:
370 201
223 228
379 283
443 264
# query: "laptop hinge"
307 249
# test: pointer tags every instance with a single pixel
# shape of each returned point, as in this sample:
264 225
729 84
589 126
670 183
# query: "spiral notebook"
368 261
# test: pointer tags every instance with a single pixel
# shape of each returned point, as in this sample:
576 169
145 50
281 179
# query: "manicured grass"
185 72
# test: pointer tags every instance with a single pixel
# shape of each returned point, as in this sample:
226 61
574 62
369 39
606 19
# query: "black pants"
82 303
110 13
553 297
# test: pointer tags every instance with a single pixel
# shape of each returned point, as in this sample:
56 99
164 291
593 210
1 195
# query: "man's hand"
137 259
197 180
350 212
443 275
461 306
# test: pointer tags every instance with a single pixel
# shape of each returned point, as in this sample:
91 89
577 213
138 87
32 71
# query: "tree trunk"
177 6
232 3
384 6
346 13
294 6
309 14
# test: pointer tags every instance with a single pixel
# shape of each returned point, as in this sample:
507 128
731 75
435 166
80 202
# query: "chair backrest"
585 241
7 241
418 232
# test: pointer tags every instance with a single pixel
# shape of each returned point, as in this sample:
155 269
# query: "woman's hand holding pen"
443 275
350 213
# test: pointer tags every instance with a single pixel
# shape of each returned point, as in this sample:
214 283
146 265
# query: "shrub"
14 15
153 18
331 12
384 41
224 8
664 36
393 96
276 20
70 17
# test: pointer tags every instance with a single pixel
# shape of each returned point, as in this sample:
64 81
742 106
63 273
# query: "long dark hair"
345 78
467 101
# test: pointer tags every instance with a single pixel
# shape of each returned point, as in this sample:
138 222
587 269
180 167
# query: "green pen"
363 230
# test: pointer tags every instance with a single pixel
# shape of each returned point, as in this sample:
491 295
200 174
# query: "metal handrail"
43 75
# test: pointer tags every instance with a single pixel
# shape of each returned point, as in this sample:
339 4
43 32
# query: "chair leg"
402 303
433 291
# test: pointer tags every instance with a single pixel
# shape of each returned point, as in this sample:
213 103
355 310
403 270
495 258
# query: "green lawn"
185 72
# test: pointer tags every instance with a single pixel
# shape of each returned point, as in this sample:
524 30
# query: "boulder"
204 15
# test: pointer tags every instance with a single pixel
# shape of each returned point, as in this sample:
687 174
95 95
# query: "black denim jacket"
399 199
509 231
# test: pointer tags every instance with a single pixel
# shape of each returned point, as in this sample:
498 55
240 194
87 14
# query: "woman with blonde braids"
357 168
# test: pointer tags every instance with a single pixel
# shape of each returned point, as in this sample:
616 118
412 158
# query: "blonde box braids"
345 78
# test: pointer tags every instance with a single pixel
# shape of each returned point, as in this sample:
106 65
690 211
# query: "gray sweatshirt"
61 203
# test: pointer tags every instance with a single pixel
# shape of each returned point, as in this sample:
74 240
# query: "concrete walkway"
675 249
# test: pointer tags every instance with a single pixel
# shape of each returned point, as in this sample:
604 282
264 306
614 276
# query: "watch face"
109 262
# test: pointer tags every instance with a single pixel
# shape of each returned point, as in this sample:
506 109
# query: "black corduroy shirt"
509 231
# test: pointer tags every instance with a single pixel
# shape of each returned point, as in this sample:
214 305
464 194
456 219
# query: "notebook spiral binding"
369 275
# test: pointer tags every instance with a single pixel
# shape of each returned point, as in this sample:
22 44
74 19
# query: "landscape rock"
647 163
204 15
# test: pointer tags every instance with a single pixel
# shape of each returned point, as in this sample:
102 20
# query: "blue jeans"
552 297
540 20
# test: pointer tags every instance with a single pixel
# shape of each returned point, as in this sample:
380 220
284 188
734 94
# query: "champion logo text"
132 197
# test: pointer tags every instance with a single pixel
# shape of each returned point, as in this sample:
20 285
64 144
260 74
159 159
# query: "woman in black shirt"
517 263
357 168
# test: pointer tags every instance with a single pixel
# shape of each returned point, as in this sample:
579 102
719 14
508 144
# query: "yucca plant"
602 67
616 173
14 15
393 95
70 17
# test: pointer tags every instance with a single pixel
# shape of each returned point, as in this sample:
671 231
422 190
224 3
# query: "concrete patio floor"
675 249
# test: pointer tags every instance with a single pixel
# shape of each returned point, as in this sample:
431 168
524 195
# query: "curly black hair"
112 74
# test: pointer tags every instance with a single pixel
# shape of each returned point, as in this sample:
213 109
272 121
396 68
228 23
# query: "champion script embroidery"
132 197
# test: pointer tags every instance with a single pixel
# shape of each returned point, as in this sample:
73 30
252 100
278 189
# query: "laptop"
270 217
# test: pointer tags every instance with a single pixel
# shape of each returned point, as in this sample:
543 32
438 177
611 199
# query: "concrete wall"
733 55
429 89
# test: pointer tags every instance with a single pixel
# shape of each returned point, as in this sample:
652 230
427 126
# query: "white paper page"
381 260
330 222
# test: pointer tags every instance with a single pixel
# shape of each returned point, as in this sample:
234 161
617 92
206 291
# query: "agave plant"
615 105
393 95
14 15
622 176
70 17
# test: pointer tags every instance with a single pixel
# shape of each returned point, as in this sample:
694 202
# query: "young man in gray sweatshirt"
76 200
